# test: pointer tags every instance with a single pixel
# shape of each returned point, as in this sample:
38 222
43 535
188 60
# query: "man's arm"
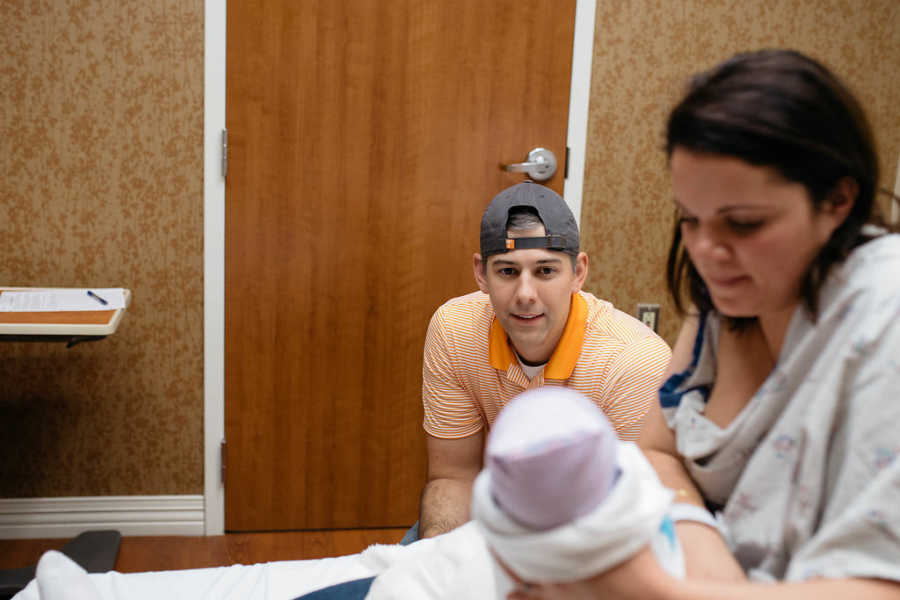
452 467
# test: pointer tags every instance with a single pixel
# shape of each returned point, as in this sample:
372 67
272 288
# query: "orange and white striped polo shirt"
470 371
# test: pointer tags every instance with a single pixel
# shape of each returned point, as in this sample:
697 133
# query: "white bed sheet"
280 580
430 568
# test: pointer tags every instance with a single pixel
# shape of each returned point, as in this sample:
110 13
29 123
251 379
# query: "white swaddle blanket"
561 499
617 529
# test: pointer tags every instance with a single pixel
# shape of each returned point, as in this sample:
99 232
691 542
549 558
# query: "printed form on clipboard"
62 299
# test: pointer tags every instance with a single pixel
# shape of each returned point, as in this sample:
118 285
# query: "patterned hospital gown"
807 474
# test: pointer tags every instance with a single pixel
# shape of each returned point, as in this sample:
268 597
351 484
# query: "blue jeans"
349 590
356 589
412 535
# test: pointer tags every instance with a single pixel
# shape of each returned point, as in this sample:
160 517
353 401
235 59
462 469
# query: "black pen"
97 298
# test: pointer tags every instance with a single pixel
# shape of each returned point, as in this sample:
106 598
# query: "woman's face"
750 233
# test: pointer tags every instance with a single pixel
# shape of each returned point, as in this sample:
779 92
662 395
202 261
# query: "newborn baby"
560 499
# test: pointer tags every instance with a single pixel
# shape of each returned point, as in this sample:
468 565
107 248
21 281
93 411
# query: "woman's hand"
641 578
638 578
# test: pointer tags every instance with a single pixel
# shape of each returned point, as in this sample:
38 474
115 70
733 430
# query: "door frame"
214 223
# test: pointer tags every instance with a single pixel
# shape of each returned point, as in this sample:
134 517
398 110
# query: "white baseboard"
22 518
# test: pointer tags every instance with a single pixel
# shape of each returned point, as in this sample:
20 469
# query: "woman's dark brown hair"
782 110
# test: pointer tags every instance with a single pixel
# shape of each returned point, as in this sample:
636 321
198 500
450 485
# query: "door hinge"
224 154
566 167
223 453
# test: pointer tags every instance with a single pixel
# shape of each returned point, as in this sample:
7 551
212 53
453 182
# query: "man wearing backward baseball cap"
530 325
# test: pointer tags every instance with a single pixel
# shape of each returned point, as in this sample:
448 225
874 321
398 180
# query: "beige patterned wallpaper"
644 52
101 115
101 183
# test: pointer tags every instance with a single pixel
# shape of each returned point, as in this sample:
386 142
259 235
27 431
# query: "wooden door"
364 143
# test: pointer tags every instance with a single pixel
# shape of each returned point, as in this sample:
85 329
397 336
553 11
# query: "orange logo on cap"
510 244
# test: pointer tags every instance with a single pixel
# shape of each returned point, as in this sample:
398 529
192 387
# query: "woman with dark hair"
778 426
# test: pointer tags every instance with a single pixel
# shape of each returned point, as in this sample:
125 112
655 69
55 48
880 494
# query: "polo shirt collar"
562 361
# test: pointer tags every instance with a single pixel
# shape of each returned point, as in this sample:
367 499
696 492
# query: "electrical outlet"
648 314
895 203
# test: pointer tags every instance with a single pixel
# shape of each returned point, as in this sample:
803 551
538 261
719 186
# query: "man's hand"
452 467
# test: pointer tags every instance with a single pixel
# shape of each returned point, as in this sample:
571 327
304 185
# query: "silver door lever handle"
540 165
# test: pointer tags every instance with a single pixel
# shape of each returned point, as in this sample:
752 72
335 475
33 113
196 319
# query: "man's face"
531 291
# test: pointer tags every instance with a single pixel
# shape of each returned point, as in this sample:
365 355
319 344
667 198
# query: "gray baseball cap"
559 223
